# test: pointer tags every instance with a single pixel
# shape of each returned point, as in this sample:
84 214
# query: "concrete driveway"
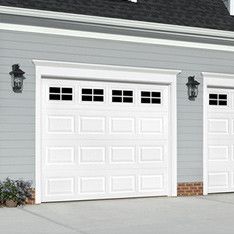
213 214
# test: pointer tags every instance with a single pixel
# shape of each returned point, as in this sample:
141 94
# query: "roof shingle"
196 13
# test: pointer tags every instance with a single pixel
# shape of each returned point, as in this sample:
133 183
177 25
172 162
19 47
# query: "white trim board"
140 25
211 80
114 37
107 73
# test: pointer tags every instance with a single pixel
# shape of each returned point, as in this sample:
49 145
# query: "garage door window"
60 93
148 97
92 95
123 96
217 99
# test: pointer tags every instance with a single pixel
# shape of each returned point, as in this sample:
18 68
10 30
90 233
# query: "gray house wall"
17 125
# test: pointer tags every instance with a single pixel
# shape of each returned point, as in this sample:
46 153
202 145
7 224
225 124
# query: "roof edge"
114 37
122 23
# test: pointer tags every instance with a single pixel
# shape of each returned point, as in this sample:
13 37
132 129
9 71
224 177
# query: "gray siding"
17 155
190 130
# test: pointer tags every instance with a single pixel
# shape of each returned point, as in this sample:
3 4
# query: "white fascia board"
123 23
113 37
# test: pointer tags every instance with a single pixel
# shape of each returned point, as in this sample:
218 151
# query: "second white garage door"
220 135
104 140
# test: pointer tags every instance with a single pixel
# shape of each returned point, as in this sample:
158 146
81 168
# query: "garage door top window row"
97 95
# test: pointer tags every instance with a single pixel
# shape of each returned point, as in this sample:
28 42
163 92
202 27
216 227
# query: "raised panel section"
232 180
218 126
151 154
60 155
122 125
92 154
123 184
218 179
151 182
92 185
92 125
122 154
232 125
151 125
60 186
60 124
217 153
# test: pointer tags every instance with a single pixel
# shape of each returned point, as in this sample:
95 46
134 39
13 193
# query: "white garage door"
220 127
103 140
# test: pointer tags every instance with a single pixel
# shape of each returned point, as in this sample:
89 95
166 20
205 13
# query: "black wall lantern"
17 78
192 88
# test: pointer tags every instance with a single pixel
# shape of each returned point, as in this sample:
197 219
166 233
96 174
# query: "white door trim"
96 72
211 80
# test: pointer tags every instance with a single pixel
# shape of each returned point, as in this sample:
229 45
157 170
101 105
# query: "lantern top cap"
16 71
192 81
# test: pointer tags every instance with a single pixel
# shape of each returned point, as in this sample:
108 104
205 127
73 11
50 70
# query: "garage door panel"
109 141
149 183
92 185
89 125
92 155
60 155
60 124
218 181
60 186
119 125
151 154
218 126
123 184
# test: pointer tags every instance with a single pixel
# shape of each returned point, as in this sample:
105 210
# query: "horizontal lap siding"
190 130
17 141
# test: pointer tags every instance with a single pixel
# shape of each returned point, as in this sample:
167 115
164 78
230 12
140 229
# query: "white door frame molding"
211 80
64 70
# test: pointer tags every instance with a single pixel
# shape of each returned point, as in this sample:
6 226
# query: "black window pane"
156 94
156 101
86 91
54 97
128 99
116 99
213 96
222 103
213 102
128 93
66 90
98 98
145 94
67 97
98 91
54 90
87 98
117 92
223 96
145 100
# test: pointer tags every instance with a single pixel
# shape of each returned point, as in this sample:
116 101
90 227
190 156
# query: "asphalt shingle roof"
196 13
